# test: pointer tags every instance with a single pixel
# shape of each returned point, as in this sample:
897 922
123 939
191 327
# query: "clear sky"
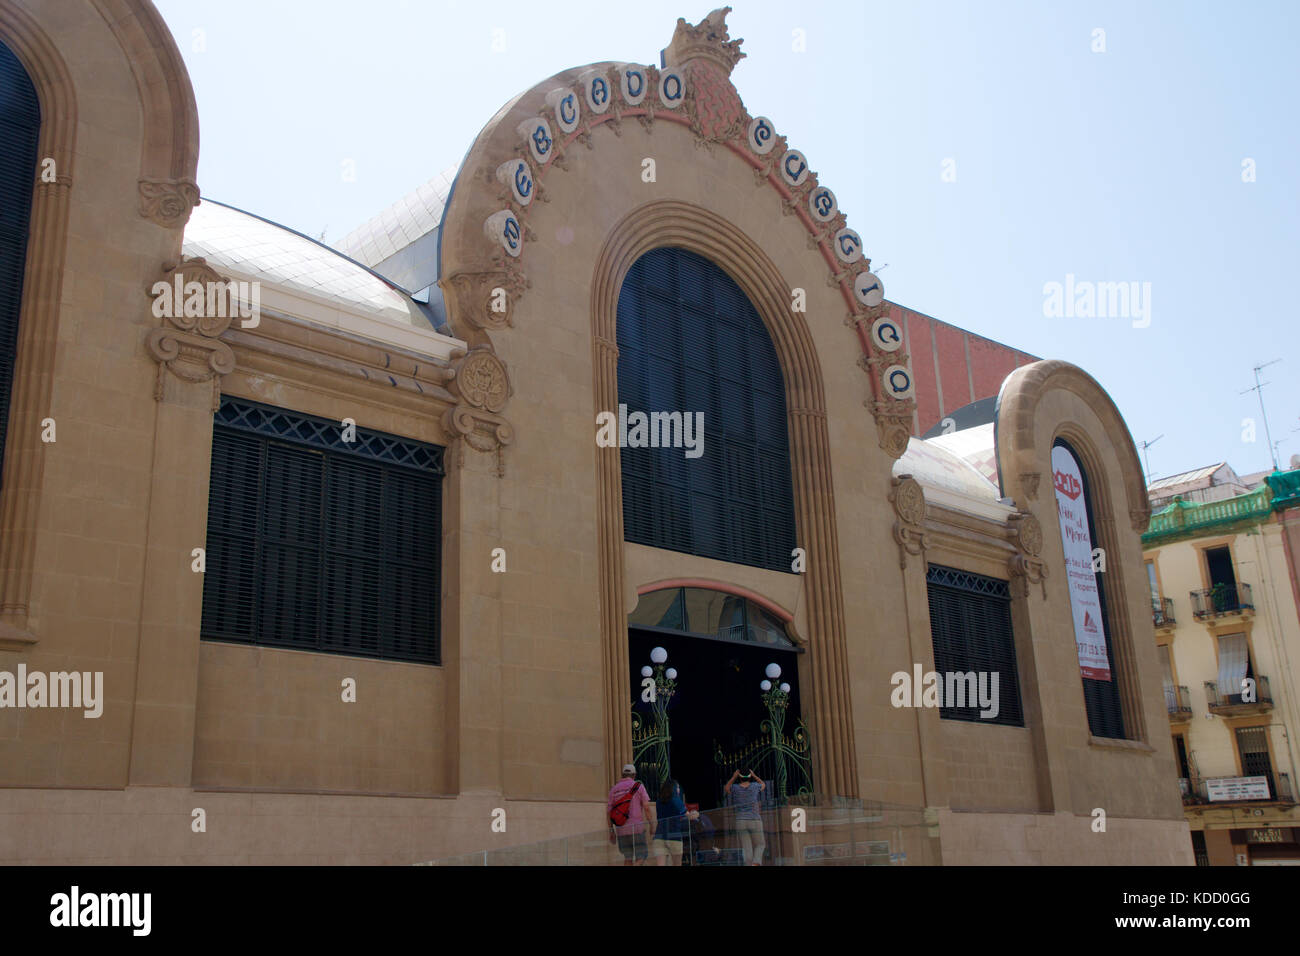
1117 166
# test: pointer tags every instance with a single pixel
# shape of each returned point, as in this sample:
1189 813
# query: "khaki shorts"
661 847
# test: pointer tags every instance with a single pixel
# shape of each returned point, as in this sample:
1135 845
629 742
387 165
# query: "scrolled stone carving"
484 300
893 425
480 381
716 111
187 343
168 202
1026 566
1031 536
908 499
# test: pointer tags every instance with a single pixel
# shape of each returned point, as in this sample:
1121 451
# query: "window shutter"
689 341
20 123
970 626
319 544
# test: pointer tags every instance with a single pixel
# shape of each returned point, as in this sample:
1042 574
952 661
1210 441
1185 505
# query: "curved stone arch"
474 258
169 150
54 88
1022 458
674 223
168 163
1018 453
38 320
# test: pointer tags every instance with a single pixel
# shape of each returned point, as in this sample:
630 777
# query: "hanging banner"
1085 600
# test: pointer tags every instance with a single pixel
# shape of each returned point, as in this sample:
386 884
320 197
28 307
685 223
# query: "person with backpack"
630 810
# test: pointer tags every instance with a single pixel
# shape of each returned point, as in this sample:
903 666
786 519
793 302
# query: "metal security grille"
20 123
690 341
970 626
1252 744
316 543
1100 697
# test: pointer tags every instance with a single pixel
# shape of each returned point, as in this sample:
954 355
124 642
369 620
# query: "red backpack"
622 807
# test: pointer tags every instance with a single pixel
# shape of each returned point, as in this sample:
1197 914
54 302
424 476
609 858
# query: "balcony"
1179 704
1162 613
1222 600
1242 702
1226 791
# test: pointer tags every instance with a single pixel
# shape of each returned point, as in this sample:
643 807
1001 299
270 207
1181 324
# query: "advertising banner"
1085 599
1237 788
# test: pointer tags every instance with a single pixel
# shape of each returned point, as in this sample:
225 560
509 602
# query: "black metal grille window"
690 341
20 124
1252 744
321 544
1100 697
970 626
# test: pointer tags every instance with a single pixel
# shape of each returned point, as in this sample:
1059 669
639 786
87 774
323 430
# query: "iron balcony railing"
1196 790
1178 701
1162 612
1244 696
1221 599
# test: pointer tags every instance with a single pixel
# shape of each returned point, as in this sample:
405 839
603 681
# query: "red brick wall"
952 367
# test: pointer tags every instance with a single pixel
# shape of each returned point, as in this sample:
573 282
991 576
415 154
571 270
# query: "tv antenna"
1147 458
1259 388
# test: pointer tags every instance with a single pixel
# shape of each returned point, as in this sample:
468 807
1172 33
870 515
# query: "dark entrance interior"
718 700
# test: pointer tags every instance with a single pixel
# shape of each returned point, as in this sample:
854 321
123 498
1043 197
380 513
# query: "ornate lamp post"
665 685
776 697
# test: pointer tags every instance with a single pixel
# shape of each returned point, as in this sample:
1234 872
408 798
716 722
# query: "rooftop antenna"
1146 457
1259 388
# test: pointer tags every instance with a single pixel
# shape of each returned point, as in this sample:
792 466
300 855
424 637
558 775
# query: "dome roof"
950 480
408 226
976 446
244 246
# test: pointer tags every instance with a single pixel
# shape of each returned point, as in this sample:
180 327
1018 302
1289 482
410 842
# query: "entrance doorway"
719 648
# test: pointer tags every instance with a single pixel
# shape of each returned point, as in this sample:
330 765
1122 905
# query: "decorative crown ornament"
707 40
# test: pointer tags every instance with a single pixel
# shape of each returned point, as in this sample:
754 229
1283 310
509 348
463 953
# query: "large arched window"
693 349
1092 624
20 122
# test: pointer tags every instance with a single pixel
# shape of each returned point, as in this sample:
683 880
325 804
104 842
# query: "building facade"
1225 589
361 558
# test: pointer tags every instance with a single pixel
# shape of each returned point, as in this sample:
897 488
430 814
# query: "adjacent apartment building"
1221 561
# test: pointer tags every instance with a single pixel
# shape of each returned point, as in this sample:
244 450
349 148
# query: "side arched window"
702 416
20 122
1092 625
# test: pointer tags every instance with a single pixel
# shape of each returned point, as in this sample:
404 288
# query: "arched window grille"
691 343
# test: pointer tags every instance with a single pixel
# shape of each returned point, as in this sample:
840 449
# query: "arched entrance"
709 698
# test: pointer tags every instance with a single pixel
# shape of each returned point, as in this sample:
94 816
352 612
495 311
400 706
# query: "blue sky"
1115 166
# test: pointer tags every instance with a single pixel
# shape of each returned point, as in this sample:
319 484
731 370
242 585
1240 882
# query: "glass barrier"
798 834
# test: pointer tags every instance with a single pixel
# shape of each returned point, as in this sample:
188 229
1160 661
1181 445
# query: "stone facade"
528 709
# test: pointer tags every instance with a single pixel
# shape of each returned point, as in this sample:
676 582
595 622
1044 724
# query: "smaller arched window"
20 123
1083 565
